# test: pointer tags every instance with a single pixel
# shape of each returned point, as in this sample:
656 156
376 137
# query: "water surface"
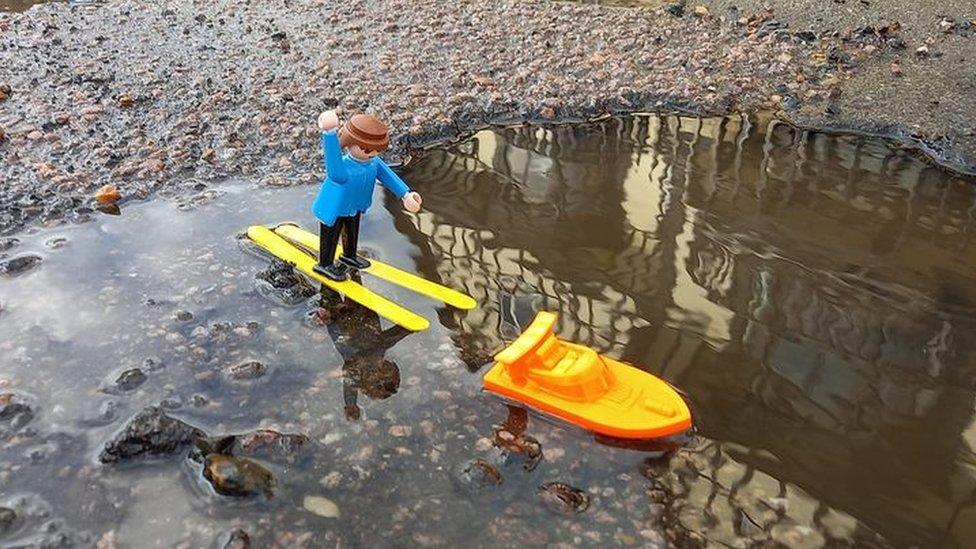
811 295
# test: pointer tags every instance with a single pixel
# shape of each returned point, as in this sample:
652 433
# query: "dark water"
812 295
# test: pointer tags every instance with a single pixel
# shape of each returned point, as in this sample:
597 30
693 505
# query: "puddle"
812 295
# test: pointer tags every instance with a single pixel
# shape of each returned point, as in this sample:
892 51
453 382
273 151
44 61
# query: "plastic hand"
412 202
328 121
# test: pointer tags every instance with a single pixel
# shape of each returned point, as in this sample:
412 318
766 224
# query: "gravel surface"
151 96
921 89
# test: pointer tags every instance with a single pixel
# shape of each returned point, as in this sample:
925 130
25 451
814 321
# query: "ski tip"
256 230
464 301
418 324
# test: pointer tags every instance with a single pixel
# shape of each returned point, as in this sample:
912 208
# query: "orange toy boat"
576 384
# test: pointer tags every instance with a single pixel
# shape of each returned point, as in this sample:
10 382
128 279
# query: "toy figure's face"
358 153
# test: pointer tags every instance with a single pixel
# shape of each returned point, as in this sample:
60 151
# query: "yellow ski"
412 282
286 251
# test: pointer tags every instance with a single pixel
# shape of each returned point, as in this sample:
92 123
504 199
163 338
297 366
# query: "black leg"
350 244
328 240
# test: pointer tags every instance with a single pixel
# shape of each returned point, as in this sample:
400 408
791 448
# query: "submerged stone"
281 284
237 539
271 441
129 380
149 433
246 371
16 411
476 475
7 519
517 450
266 443
19 265
237 477
323 507
563 499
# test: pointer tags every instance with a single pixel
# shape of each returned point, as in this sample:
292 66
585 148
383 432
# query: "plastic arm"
390 179
332 154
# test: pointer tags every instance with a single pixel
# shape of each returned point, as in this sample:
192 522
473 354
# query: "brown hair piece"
367 131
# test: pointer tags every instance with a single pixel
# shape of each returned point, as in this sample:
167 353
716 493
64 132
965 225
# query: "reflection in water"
362 343
811 294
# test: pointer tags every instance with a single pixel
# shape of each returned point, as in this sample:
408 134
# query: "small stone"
922 51
7 518
476 475
107 541
56 242
19 265
183 316
15 409
126 101
108 194
237 477
149 433
701 11
270 443
238 539
400 431
332 480
896 69
563 499
4 92
246 371
129 380
323 507
677 9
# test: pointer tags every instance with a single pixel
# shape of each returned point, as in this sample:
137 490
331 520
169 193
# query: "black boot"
350 245
336 272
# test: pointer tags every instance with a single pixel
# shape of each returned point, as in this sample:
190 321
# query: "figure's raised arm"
331 150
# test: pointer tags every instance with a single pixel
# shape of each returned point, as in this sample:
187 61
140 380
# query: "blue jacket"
348 185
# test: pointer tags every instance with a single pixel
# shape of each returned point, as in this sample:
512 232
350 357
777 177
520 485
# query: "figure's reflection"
360 339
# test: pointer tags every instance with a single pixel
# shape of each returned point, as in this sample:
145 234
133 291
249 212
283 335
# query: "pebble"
237 477
7 518
563 499
332 480
237 539
246 371
107 194
400 431
323 507
476 475
20 265
129 380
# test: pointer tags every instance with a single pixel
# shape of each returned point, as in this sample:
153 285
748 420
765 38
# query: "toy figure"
347 190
